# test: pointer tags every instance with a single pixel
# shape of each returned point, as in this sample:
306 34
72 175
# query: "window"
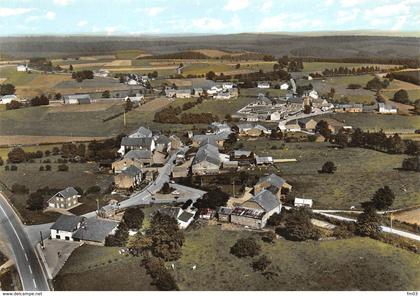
67 238
57 236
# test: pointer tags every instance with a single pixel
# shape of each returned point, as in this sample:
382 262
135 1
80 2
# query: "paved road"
144 196
384 228
29 267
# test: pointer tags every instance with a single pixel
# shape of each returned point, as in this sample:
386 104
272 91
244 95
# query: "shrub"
269 237
298 226
246 247
19 189
63 168
41 168
1 161
6 168
16 155
328 168
261 263
93 190
13 168
275 219
368 223
162 278
401 96
48 167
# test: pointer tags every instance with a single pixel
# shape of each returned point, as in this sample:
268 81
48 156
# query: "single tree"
368 223
246 247
328 168
383 198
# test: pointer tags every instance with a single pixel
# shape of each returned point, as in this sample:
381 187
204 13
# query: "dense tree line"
408 76
376 140
41 64
18 155
192 55
39 101
343 71
79 76
405 62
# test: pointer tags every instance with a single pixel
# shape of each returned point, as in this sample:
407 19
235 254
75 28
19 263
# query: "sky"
136 17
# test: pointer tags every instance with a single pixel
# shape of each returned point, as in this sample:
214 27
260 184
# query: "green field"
360 172
352 264
28 174
221 107
102 269
413 94
203 68
376 122
17 78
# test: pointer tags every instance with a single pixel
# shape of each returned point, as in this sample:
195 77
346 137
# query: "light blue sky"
114 17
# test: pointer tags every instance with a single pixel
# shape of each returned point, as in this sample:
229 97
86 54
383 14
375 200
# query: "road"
146 194
384 228
29 267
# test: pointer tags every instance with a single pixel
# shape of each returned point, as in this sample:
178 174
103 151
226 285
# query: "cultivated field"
360 172
409 216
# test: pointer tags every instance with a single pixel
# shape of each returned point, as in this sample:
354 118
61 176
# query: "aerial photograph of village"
196 145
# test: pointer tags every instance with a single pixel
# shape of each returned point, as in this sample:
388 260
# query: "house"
207 214
218 127
64 199
198 92
284 86
129 178
101 73
231 165
128 143
183 93
179 70
206 161
22 68
136 99
89 230
252 130
263 100
183 217
238 154
302 202
133 82
273 183
176 142
307 123
163 144
260 160
387 108
255 212
213 139
349 108
170 92
222 96
77 99
7 99
263 85
334 125
180 171
142 132
313 94
223 214
214 90
275 116
137 158
227 85
293 126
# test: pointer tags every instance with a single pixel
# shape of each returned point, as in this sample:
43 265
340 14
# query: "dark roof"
273 179
142 132
77 96
68 192
266 200
138 154
141 142
185 216
94 229
224 210
84 100
67 223
162 139
131 171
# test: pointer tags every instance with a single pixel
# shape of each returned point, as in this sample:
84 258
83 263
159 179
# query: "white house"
313 94
227 85
222 96
263 85
137 98
133 82
64 199
214 90
275 116
303 202
284 86
101 73
387 108
22 68
7 99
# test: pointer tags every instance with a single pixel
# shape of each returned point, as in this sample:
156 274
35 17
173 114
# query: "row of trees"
79 76
350 71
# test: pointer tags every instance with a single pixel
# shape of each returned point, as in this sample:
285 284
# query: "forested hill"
274 44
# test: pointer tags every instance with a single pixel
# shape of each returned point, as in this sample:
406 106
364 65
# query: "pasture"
360 172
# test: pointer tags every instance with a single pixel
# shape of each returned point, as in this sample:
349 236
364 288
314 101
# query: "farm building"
307 123
303 202
137 158
128 143
223 214
64 199
387 108
263 85
77 99
7 99
206 161
273 183
88 230
255 212
349 108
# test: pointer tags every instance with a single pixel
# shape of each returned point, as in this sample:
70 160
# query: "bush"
13 168
328 168
41 168
19 189
298 226
93 190
1 161
401 96
48 167
63 168
35 201
261 263
246 247
368 223
6 168
16 155
162 278
275 219
269 237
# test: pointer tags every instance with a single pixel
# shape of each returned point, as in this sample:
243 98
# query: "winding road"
29 267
